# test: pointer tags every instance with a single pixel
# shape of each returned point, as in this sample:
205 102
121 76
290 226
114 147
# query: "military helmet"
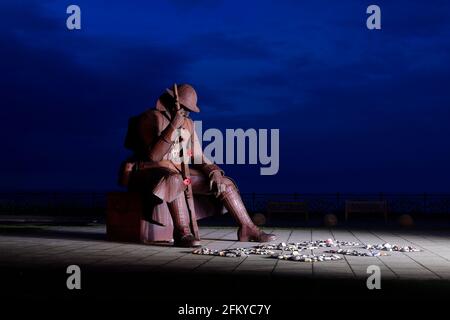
187 97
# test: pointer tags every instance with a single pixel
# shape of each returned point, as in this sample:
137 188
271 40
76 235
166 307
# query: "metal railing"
94 203
399 203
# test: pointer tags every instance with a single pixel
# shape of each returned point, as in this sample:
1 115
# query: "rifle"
187 177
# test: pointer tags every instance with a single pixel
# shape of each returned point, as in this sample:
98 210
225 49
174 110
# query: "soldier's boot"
247 231
182 234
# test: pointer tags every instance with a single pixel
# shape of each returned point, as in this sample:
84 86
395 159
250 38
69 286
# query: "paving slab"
57 247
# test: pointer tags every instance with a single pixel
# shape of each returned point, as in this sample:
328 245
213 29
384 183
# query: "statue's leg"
182 231
248 231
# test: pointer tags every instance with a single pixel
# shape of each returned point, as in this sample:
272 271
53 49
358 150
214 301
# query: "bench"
366 207
297 207
125 220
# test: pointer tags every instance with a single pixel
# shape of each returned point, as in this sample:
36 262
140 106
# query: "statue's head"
187 97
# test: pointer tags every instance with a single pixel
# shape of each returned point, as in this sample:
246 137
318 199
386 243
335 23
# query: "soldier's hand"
216 183
178 119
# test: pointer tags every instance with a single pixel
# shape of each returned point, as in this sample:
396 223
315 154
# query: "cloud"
66 102
195 4
219 45
347 102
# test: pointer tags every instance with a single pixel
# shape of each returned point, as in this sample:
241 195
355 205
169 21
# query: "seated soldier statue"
159 138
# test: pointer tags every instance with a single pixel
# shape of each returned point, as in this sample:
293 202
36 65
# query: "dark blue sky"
357 110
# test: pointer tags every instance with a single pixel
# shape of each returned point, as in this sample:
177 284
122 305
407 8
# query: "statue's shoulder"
150 112
190 124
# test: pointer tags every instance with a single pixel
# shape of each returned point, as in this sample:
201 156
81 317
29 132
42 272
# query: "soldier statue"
185 190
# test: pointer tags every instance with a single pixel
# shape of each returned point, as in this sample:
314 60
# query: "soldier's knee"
175 178
230 184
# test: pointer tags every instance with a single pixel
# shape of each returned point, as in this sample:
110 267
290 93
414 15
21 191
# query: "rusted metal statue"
177 180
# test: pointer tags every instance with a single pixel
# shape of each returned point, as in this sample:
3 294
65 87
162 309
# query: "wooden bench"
125 220
366 207
298 207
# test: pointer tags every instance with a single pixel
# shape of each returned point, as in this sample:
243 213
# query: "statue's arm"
201 162
156 146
